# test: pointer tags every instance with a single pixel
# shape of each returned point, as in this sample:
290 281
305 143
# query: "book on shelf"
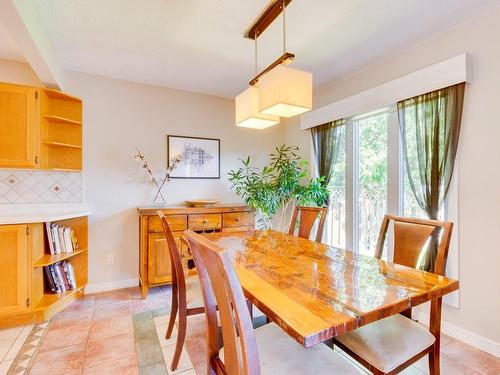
60 277
61 239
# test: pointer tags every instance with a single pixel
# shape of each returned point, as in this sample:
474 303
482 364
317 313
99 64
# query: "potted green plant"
278 187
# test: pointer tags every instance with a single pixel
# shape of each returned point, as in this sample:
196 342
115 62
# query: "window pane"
372 179
337 198
410 206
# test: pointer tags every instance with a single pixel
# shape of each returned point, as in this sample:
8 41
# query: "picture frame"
200 157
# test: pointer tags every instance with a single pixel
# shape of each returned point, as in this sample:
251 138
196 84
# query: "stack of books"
60 277
61 239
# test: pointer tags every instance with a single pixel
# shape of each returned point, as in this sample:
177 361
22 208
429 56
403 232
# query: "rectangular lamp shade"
247 113
285 92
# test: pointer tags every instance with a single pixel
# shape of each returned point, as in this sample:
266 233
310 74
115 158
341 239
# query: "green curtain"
430 129
326 144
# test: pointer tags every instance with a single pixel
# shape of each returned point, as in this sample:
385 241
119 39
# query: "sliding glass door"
370 178
366 181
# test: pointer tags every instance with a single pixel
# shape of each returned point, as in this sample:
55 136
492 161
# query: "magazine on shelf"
48 228
61 239
60 277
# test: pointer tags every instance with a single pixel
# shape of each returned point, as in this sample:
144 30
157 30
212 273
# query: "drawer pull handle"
204 221
237 219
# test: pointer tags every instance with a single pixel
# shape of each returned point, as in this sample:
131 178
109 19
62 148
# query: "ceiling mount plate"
268 15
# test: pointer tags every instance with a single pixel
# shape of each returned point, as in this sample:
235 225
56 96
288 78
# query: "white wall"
18 72
119 115
479 153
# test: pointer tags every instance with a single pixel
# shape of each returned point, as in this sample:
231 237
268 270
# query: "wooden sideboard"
154 259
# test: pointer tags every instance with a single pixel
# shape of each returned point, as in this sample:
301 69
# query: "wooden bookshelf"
48 300
48 259
25 298
61 131
46 304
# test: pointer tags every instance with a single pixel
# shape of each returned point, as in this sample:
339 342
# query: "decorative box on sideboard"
154 259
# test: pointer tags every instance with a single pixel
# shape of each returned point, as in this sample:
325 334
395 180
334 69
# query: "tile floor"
99 334
11 341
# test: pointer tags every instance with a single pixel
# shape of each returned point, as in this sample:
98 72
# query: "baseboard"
111 285
461 334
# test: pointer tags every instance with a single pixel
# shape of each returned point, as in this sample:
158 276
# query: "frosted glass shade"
285 92
247 111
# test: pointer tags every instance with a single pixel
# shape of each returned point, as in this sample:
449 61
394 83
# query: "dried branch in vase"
158 182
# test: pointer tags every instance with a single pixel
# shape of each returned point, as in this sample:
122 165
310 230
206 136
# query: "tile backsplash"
33 186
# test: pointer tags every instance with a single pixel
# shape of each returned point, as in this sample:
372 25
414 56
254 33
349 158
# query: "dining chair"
390 345
187 298
307 216
245 351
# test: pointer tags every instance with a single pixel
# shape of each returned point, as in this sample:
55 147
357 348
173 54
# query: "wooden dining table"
315 292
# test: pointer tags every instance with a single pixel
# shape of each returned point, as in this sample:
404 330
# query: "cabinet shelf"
50 299
60 144
54 94
48 259
61 120
64 169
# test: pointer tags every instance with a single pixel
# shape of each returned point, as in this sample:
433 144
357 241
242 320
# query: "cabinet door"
159 266
18 126
13 278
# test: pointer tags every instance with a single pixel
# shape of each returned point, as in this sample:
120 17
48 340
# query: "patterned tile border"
24 359
149 354
38 186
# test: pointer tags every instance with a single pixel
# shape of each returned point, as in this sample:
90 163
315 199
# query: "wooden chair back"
307 216
410 237
178 279
221 287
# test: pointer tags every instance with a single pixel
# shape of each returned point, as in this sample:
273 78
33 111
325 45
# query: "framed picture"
199 157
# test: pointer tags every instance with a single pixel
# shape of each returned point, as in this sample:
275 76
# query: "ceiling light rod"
286 59
266 18
283 6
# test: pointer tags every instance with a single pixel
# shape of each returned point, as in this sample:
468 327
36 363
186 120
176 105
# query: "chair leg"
181 335
434 365
250 309
173 313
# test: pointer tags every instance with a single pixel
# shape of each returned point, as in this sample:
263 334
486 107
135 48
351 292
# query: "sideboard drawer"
238 229
176 223
205 221
238 219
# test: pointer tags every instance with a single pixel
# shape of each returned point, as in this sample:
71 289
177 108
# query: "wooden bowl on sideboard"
201 202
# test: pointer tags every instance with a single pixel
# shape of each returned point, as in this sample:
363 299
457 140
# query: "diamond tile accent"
11 181
31 186
56 188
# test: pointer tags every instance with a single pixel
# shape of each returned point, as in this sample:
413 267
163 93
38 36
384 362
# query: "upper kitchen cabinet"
19 126
40 128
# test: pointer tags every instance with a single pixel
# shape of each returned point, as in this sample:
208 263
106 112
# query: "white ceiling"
8 49
197 45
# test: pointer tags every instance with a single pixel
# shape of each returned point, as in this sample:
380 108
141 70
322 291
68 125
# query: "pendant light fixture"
247 107
278 90
285 91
